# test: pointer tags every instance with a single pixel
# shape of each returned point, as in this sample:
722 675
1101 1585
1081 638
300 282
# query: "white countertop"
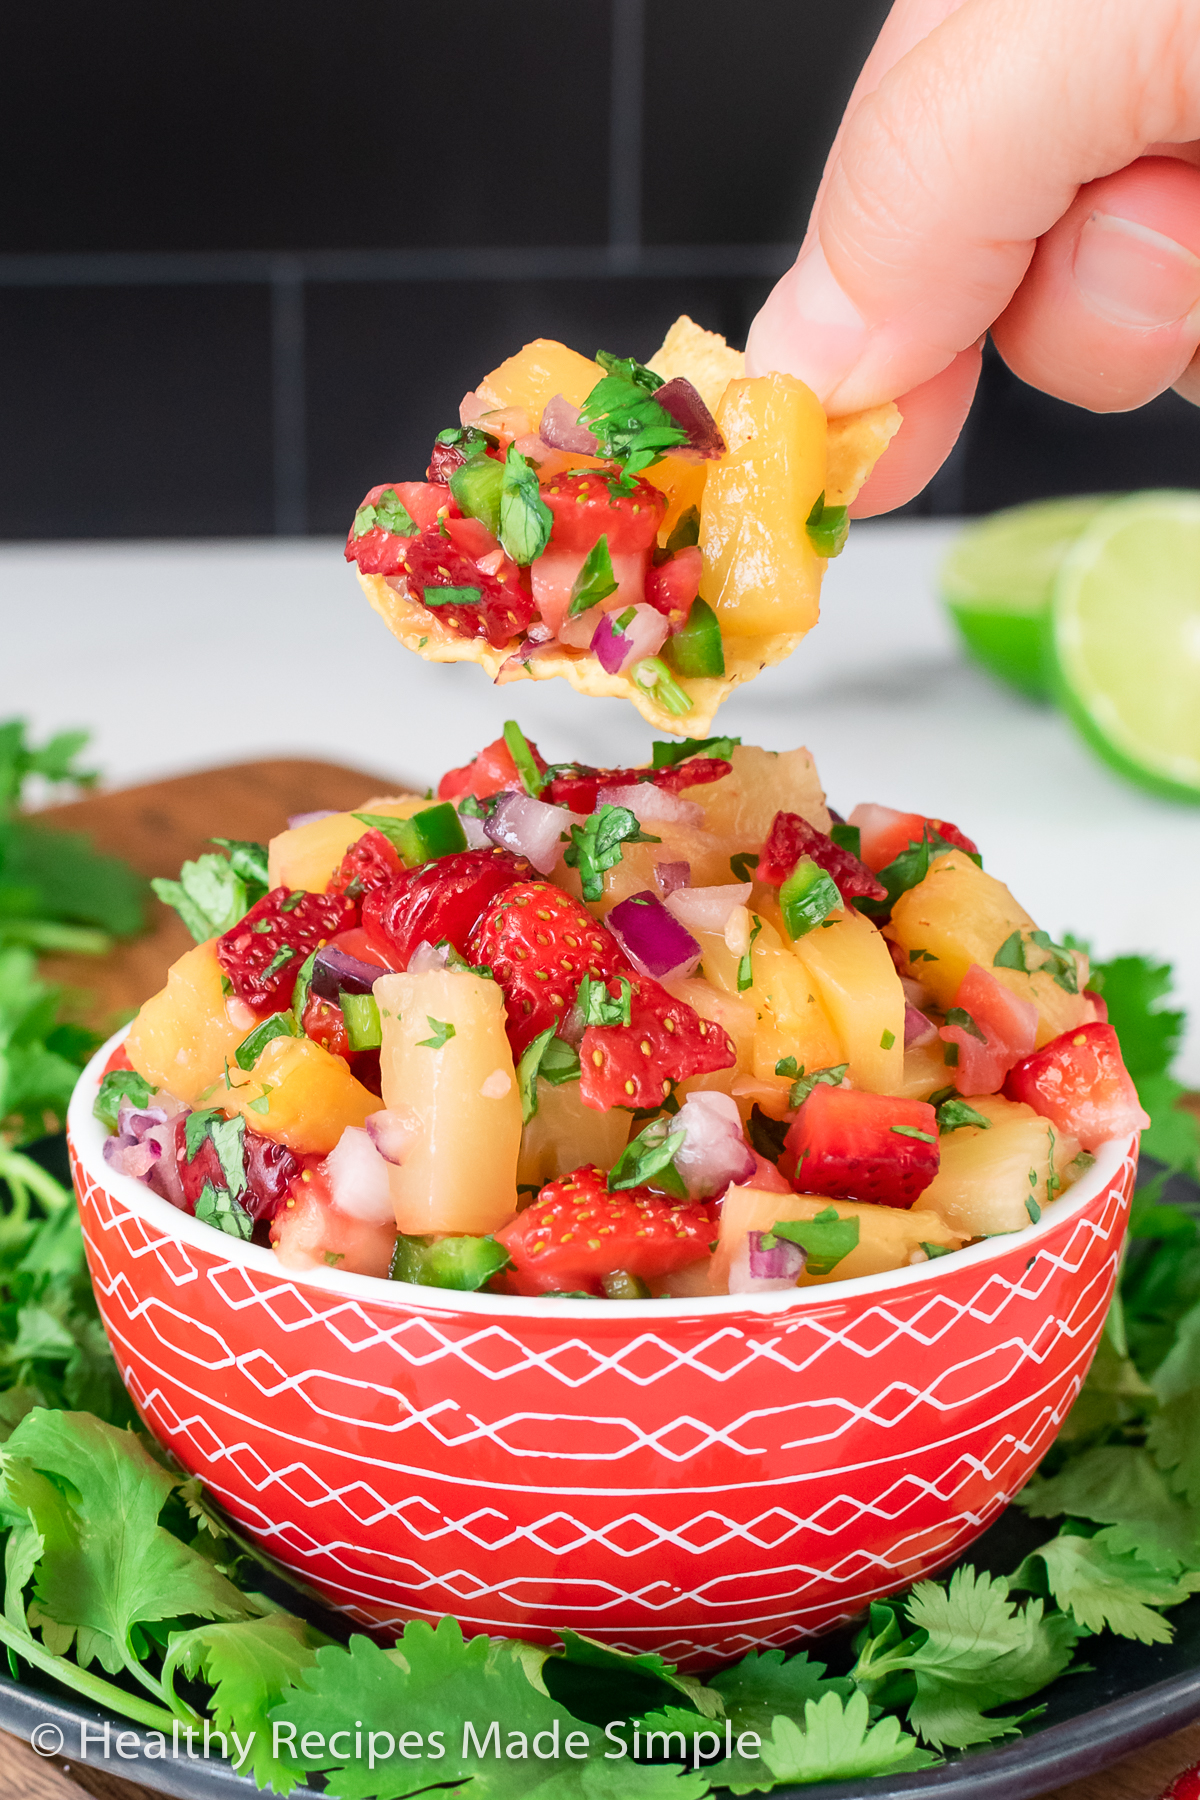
180 655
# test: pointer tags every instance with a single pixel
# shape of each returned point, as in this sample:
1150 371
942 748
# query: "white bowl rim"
88 1136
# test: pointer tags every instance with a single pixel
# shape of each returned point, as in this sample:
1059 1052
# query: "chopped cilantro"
1057 961
120 1085
263 1103
218 1207
1033 1209
912 1131
627 369
442 1031
789 1068
958 1015
887 1039
280 1024
598 1006
596 845
933 1251
952 1115
595 580
451 596
525 519
847 837
532 779
743 865
804 1084
285 954
547 1058
630 427
825 1239
745 972
648 1160
919 956
686 530
766 1134
665 755
908 870
388 513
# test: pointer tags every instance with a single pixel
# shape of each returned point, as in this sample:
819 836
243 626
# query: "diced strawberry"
310 1232
442 899
585 509
1003 1029
262 954
554 574
576 1232
540 943
792 837
887 834
505 604
673 585
196 1170
118 1060
445 458
472 538
1079 1082
380 552
853 1145
638 1064
578 788
324 1024
270 1170
372 861
492 771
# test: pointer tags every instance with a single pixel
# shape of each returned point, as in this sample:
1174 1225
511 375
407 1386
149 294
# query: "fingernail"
1131 275
808 327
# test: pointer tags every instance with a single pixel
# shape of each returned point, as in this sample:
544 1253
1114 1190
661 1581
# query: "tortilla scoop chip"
701 357
418 630
853 447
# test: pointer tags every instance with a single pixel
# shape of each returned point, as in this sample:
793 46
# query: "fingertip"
933 415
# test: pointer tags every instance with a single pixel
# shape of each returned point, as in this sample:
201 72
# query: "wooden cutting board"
155 828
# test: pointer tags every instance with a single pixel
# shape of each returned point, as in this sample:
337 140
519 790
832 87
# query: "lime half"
1126 638
997 581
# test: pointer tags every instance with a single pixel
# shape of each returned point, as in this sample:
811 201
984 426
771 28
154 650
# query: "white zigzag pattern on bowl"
373 1593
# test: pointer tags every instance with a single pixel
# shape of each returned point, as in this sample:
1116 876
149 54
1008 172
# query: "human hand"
1026 167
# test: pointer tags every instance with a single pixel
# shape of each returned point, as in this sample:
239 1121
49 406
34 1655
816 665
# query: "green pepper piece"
806 898
828 527
433 832
697 649
476 486
363 1030
621 1285
448 1262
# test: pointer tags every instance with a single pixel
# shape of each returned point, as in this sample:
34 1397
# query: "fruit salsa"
676 1030
655 531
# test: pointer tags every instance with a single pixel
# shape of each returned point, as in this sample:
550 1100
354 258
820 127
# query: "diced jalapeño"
806 898
363 1030
828 527
697 649
476 485
448 1262
433 832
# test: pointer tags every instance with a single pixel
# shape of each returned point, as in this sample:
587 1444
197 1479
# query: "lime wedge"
997 581
1126 638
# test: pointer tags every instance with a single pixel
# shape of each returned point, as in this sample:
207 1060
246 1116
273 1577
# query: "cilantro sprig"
596 845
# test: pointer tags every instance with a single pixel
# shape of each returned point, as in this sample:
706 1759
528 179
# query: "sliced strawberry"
886 834
998 1030
578 787
586 508
674 584
857 1146
505 604
442 899
576 1232
665 1041
268 1167
792 837
1080 1083
118 1060
371 862
492 771
380 552
262 954
540 943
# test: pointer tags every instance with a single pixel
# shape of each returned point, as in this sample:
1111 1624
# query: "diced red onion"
672 875
129 1157
652 805
714 1151
358 1178
708 908
917 1028
393 1132
309 818
655 942
784 1262
477 838
513 667
531 828
429 959
473 407
645 634
914 992
683 402
334 973
741 1281
561 430
135 1122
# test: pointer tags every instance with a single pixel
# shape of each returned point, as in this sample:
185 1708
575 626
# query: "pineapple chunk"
309 855
538 372
183 1036
708 856
563 1133
761 573
298 1094
461 1173
888 1237
683 484
959 916
925 1071
792 1019
761 783
997 1179
852 970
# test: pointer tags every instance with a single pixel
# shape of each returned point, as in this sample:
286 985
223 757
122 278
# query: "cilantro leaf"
766 1134
804 1084
525 519
249 860
442 1031
547 1058
210 896
107 1564
596 845
629 426
388 513
218 1208
758 1692
952 1115
119 1085
597 1004
649 1158
665 755
532 779
745 968
1121 1486
629 370
1104 1588
825 1240
908 870
1058 962
249 1663
839 1743
595 580
958 1015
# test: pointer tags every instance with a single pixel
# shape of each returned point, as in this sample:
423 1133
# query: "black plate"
1130 1695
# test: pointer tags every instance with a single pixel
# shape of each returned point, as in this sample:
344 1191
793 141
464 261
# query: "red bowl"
694 1477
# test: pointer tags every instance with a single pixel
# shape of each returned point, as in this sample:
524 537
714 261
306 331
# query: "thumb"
969 149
